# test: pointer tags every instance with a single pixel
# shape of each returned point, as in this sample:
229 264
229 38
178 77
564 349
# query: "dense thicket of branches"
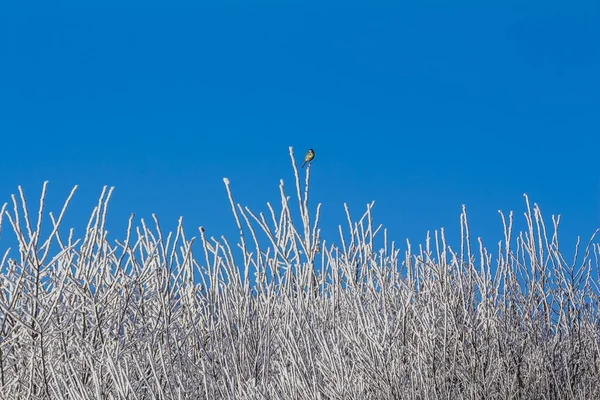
290 316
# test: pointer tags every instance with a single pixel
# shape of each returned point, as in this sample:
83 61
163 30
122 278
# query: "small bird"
309 157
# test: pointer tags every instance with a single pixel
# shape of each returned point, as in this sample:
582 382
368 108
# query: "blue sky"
420 106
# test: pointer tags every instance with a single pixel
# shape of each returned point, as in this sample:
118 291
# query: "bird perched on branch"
309 157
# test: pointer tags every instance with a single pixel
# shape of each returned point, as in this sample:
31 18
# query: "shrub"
292 317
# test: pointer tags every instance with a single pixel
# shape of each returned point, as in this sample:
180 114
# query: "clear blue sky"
421 106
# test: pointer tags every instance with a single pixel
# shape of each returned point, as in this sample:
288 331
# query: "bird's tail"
304 164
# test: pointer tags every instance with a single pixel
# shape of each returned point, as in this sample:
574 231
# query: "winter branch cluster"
283 314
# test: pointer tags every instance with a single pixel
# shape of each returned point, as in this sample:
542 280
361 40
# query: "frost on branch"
283 314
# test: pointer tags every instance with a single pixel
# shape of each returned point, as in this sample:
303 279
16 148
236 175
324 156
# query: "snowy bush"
288 315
